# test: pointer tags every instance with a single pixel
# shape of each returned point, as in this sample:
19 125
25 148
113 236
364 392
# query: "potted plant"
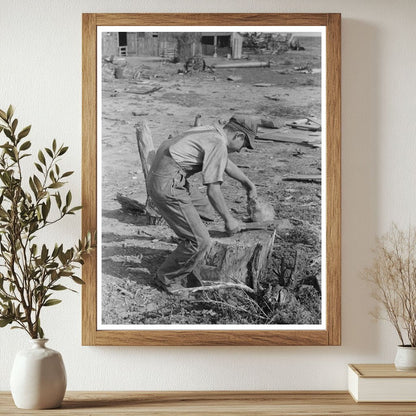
31 273
393 276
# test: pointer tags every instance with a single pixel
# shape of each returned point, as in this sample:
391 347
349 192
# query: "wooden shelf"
178 403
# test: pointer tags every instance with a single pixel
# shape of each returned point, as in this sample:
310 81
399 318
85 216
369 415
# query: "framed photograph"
211 172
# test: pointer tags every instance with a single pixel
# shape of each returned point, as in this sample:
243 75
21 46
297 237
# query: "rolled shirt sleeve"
214 163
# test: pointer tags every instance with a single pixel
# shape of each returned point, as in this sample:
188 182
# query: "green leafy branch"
31 274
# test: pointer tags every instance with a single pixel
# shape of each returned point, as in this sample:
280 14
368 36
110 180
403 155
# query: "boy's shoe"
193 281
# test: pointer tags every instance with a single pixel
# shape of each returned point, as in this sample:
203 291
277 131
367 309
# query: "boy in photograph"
202 149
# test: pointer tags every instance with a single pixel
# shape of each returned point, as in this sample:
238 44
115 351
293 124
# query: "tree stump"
241 258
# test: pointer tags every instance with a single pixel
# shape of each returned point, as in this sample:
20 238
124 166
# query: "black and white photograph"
210 157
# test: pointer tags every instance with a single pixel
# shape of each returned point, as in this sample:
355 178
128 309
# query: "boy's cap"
248 125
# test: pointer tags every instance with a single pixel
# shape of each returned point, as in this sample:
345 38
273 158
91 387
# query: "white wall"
40 73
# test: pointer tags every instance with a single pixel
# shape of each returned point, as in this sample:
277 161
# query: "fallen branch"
219 286
303 178
112 119
254 309
144 92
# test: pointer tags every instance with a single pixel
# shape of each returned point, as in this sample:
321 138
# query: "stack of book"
381 383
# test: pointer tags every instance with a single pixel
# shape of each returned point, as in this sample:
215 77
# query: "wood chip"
263 84
272 97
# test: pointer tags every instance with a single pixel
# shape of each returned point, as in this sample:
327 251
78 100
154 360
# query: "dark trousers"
169 189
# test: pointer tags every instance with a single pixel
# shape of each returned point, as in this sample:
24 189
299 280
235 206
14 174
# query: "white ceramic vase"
38 378
405 358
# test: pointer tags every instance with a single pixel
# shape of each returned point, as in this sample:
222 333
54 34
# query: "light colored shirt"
202 149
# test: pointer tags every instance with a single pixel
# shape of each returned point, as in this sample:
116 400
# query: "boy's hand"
232 226
251 191
251 194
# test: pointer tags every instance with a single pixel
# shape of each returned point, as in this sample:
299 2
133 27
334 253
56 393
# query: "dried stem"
393 276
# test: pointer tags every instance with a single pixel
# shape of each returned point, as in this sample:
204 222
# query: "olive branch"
30 272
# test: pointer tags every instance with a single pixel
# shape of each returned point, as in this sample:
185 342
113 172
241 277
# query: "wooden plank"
211 19
381 371
89 173
303 178
288 138
333 179
211 337
210 403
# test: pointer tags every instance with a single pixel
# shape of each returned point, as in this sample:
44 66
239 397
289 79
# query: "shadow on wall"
360 180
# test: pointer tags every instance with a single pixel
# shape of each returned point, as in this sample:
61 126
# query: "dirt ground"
132 250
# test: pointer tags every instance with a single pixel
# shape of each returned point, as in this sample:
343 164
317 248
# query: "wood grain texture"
330 336
259 403
211 19
333 197
211 337
381 371
89 173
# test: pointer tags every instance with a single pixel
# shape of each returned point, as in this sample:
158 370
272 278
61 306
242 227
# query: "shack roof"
221 34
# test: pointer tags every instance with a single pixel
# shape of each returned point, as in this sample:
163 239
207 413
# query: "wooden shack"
161 44
182 45
222 44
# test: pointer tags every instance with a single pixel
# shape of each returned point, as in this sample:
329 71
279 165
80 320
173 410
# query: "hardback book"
381 383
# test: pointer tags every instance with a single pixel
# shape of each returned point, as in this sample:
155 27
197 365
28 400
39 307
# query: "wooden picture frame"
331 333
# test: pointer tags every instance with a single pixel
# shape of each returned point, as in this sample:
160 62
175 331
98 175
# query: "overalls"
168 187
